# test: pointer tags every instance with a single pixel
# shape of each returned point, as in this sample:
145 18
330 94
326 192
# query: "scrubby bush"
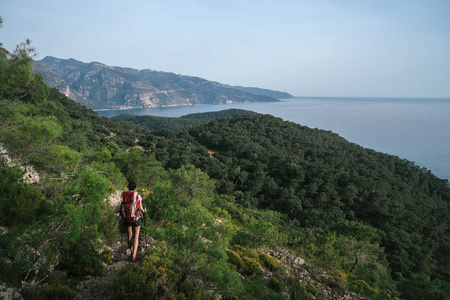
255 287
63 159
251 266
270 262
362 287
421 286
88 220
312 289
275 284
154 279
20 204
56 290
235 259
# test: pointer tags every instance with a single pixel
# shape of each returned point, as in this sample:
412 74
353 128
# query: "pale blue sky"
360 48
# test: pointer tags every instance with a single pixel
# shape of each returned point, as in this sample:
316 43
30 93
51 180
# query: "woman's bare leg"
130 238
135 240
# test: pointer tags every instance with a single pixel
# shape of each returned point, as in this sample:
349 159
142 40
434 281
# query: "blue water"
414 129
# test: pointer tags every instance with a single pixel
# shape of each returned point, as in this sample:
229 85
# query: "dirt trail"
102 287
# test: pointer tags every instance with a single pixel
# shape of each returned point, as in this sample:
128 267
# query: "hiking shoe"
134 259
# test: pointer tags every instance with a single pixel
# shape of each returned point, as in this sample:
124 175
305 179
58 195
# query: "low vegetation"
237 224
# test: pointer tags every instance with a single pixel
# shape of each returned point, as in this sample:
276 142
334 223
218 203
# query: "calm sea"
414 129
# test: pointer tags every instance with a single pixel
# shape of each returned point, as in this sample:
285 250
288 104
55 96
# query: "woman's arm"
141 207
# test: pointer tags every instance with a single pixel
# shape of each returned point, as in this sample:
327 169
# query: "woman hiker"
132 208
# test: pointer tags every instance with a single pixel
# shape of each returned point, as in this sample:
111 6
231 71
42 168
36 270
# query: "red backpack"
130 209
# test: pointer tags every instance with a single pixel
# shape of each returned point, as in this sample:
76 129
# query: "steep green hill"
59 227
322 182
176 124
246 207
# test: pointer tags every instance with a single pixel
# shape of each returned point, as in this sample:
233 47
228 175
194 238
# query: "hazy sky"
373 48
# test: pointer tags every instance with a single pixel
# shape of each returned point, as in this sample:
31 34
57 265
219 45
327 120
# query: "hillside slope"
322 181
59 233
247 207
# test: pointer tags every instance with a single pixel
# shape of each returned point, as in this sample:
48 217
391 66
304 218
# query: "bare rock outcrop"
30 175
9 292
309 276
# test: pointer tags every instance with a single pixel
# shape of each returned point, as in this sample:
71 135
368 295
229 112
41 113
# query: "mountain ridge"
99 86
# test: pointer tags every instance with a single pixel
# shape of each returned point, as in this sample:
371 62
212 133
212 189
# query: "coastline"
132 107
228 102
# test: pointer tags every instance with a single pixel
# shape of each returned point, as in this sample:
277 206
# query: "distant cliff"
265 92
99 86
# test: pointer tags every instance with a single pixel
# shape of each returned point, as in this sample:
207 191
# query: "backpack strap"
135 200
121 210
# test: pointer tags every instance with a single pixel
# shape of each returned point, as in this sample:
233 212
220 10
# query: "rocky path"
102 287
94 288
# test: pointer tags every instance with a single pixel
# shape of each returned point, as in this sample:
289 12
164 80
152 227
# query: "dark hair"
131 185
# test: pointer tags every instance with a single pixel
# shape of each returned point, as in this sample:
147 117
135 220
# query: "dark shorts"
134 224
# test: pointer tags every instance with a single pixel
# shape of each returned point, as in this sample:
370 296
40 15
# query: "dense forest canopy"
221 196
177 124
320 180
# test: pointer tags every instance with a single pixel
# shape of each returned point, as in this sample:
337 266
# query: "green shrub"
270 262
255 288
153 279
312 289
421 286
242 237
106 256
82 262
130 284
235 259
362 287
62 158
252 253
56 290
89 221
249 258
42 130
251 266
238 248
20 203
301 294
275 284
